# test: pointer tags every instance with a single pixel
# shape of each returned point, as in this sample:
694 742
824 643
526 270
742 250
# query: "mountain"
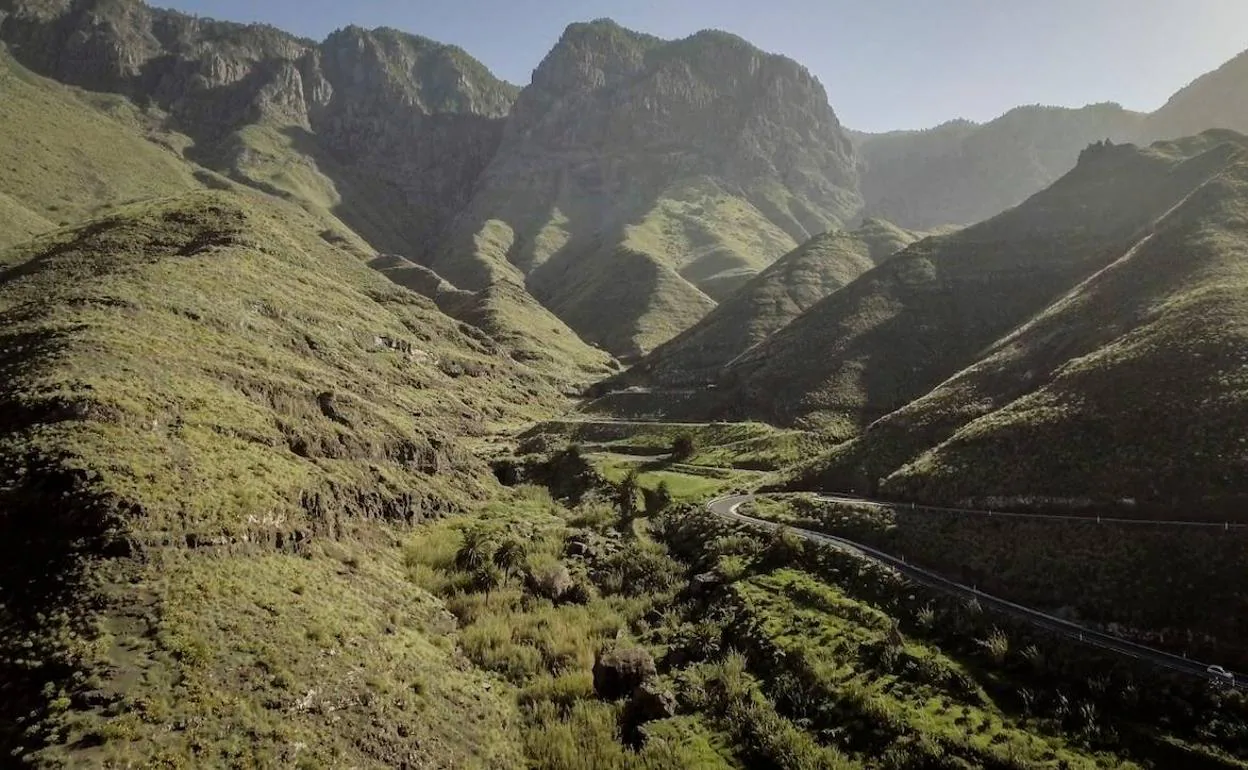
636 175
907 325
380 131
1133 384
962 172
385 129
779 294
218 425
1214 100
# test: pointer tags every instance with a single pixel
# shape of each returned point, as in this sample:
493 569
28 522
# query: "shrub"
683 448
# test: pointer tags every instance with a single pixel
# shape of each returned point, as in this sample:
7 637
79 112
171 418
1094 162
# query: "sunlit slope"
904 327
66 154
203 398
768 302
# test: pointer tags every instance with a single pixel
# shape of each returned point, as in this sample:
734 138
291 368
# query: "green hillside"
511 317
799 279
904 327
624 301
66 154
213 395
1136 382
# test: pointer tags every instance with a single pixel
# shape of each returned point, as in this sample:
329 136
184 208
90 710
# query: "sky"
886 64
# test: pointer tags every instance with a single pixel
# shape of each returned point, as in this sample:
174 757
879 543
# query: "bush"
638 569
683 448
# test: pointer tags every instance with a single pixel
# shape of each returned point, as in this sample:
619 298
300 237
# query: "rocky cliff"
662 165
386 129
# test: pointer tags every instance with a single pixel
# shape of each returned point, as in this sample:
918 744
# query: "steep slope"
962 173
209 411
1133 385
663 165
902 328
779 294
1214 100
509 315
44 183
387 130
382 131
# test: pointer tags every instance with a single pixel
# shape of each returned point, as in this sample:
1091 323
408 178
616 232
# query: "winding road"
726 507
851 500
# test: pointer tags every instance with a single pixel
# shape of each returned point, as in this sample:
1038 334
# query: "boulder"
620 671
552 582
650 703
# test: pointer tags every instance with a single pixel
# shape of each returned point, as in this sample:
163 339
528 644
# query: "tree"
475 552
626 496
510 556
657 499
487 577
683 448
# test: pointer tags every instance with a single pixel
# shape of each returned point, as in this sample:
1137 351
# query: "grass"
914 703
62 159
543 651
685 485
205 381
243 659
882 670
1168 587
745 445
778 294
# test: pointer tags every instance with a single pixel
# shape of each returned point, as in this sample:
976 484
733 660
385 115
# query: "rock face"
655 166
396 128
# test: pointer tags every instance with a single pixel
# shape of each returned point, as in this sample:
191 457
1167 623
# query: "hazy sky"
885 63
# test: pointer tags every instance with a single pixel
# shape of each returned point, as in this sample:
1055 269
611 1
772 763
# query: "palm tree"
510 556
475 552
487 578
626 496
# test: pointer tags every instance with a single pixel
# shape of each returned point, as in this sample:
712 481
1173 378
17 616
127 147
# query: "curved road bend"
726 507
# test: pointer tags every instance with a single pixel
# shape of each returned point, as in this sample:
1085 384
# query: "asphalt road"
726 507
851 500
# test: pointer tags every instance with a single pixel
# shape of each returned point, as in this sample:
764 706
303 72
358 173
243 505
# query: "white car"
1221 674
